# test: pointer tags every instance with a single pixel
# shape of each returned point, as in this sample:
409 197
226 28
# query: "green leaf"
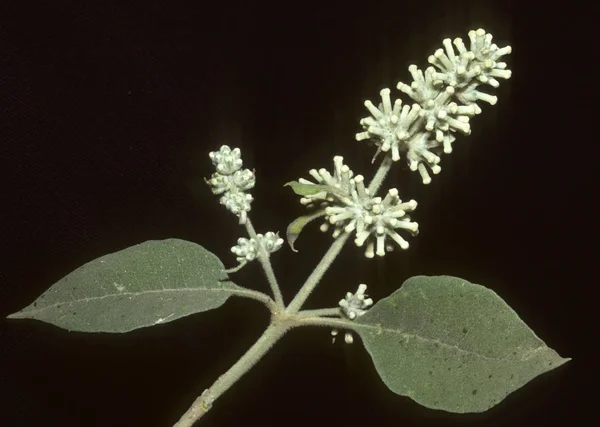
154 282
307 189
312 189
452 345
296 226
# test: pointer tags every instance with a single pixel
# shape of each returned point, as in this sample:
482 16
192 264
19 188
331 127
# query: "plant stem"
380 175
265 261
335 311
317 274
282 320
324 321
280 324
204 402
256 295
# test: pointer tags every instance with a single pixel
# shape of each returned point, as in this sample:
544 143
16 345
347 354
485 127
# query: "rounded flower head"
349 207
466 69
353 306
226 160
240 180
402 132
238 203
390 127
374 220
247 249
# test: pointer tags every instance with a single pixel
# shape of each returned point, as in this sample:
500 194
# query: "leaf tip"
17 315
564 360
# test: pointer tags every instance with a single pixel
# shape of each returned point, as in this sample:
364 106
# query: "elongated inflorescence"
231 181
445 98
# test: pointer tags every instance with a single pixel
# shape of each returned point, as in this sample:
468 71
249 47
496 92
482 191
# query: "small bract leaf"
311 189
452 345
306 189
154 282
296 226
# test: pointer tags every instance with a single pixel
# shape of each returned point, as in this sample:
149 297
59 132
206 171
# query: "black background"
109 109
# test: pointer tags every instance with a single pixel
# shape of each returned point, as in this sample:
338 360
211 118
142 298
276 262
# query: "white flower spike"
445 101
231 181
353 306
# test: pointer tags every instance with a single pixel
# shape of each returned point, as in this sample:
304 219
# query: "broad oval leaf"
297 225
452 345
153 282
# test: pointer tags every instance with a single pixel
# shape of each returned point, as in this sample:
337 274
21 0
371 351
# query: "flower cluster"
247 249
445 97
231 181
353 306
350 207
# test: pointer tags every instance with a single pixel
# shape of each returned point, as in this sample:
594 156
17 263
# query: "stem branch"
265 261
255 295
283 319
278 327
204 402
317 274
335 311
380 175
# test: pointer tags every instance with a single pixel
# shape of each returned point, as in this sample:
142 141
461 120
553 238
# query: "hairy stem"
204 402
265 261
280 324
282 321
335 311
380 175
324 321
317 274
256 295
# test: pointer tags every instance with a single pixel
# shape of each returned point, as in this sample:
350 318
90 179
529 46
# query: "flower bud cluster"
445 97
231 181
353 306
247 249
350 207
